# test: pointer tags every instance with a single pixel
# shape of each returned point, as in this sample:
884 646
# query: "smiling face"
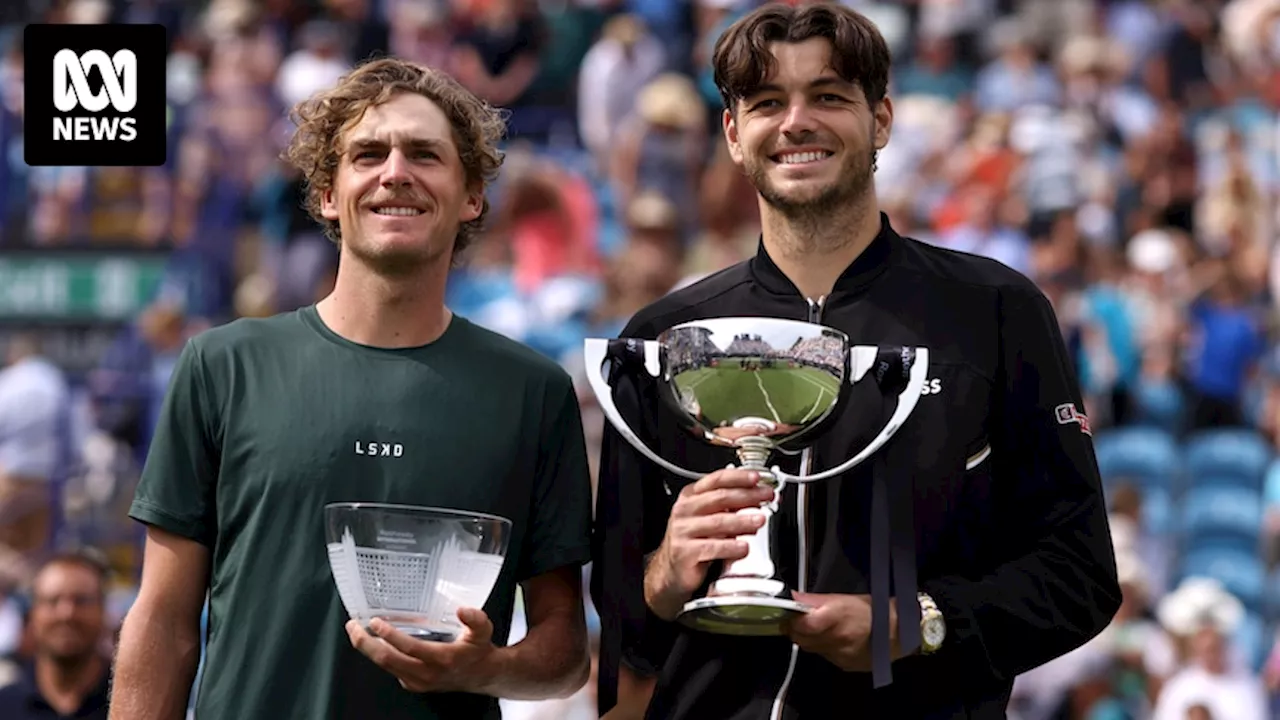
806 137
400 193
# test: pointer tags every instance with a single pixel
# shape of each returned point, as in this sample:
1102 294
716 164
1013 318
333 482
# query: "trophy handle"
862 357
595 352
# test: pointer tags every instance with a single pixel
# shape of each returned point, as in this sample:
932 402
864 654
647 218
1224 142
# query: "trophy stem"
754 575
753 454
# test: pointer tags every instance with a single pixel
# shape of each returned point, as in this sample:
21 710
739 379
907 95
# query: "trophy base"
416 631
743 616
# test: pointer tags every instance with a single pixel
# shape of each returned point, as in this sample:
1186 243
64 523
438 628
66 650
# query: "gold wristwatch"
933 628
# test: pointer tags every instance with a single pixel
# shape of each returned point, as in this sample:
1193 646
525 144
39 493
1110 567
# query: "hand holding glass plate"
414 567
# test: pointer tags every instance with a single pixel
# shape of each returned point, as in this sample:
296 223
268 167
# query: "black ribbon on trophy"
893 535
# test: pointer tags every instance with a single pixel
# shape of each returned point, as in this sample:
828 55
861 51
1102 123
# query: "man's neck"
814 251
382 312
65 685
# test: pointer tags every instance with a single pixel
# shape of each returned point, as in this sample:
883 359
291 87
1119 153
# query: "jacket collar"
868 265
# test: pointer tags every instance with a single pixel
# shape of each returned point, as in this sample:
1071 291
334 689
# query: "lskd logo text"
95 95
71 90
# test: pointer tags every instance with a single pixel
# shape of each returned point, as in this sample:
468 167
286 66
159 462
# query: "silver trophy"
757 385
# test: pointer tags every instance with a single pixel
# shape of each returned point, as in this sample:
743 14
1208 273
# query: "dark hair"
321 121
859 53
88 558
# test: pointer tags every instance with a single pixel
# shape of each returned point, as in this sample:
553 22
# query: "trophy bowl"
413 567
754 384
758 385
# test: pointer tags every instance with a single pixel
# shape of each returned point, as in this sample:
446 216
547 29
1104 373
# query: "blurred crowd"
1124 154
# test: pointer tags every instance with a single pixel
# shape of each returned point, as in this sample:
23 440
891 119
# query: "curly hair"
321 120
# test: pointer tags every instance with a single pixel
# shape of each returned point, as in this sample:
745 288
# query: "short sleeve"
177 489
559 531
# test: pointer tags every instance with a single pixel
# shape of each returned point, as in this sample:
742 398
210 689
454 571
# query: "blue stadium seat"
1222 515
1147 456
1159 405
1158 513
1236 455
1240 572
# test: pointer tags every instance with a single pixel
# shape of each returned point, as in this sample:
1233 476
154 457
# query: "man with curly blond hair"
377 393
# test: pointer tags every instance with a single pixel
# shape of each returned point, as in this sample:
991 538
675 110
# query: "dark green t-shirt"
267 420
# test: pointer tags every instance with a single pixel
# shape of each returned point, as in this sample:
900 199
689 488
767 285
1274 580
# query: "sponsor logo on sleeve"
1068 414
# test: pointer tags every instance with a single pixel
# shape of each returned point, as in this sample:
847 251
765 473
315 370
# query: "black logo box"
148 148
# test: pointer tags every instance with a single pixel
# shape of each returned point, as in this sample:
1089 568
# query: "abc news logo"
95 95
71 90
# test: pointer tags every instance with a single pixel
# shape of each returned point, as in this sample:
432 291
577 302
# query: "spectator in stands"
498 58
1016 78
547 217
225 151
730 221
317 63
1155 284
1110 361
298 260
53 219
1144 654
421 32
33 445
1228 345
68 675
984 232
1150 549
625 58
127 386
646 268
1231 217
662 148
364 21
934 70
1203 616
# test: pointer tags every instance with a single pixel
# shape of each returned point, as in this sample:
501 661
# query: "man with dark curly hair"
973 547
377 393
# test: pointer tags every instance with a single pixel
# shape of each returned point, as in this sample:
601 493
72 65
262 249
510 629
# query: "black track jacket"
1002 486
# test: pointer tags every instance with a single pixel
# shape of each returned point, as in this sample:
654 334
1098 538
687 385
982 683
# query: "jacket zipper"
802 514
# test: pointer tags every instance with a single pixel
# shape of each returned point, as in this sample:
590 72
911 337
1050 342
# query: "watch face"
934 632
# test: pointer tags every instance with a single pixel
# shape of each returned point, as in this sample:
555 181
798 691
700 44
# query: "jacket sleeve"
632 508
1055 588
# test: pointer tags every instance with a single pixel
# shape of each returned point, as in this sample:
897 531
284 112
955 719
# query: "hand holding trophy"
708 522
757 385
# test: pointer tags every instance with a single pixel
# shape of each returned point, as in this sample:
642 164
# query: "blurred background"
1121 153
